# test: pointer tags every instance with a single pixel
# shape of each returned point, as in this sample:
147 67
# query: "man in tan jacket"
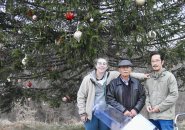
161 94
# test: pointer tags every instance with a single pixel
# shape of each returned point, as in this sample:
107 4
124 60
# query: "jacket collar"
93 76
157 75
120 82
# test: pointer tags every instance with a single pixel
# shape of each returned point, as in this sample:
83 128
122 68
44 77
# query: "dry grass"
32 125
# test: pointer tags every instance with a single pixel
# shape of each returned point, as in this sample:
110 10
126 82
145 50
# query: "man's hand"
83 118
155 109
149 109
133 113
127 113
146 76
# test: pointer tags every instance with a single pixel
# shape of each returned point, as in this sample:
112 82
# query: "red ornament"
66 98
69 15
30 13
29 84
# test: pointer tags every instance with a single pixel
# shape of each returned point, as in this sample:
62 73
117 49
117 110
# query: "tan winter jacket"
86 92
162 91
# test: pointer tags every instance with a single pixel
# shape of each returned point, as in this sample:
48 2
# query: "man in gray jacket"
161 94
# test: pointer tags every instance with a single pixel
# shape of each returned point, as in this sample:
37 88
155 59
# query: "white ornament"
152 34
77 35
64 99
43 103
24 60
91 20
139 38
34 17
140 2
62 1
29 99
19 31
19 80
8 79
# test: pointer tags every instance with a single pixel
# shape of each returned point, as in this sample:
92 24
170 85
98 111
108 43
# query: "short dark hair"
157 53
105 58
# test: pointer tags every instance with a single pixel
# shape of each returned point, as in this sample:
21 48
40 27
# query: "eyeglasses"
153 61
101 63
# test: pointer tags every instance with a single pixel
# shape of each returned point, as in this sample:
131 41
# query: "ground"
31 125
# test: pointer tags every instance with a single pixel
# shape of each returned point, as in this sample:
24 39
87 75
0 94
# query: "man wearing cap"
125 93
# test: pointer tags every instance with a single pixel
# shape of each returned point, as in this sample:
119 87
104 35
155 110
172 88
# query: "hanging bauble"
91 20
64 99
34 17
43 103
140 2
152 34
77 35
117 54
19 31
8 79
30 13
139 38
19 80
25 60
59 40
29 99
69 15
29 84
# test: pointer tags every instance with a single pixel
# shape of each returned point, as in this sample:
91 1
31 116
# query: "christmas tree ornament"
117 54
19 80
152 34
29 99
30 13
139 38
8 79
64 99
91 20
34 17
29 84
140 2
69 15
19 31
25 60
59 40
43 103
77 35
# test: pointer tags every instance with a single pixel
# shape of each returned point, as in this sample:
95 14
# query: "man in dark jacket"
125 93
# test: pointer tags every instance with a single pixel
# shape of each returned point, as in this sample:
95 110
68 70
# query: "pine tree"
37 42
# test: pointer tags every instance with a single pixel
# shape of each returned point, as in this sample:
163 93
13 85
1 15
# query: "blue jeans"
95 124
163 124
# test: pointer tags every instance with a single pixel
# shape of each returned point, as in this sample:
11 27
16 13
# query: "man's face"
125 71
101 65
156 62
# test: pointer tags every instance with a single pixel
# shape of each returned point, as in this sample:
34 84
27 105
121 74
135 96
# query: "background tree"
57 41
